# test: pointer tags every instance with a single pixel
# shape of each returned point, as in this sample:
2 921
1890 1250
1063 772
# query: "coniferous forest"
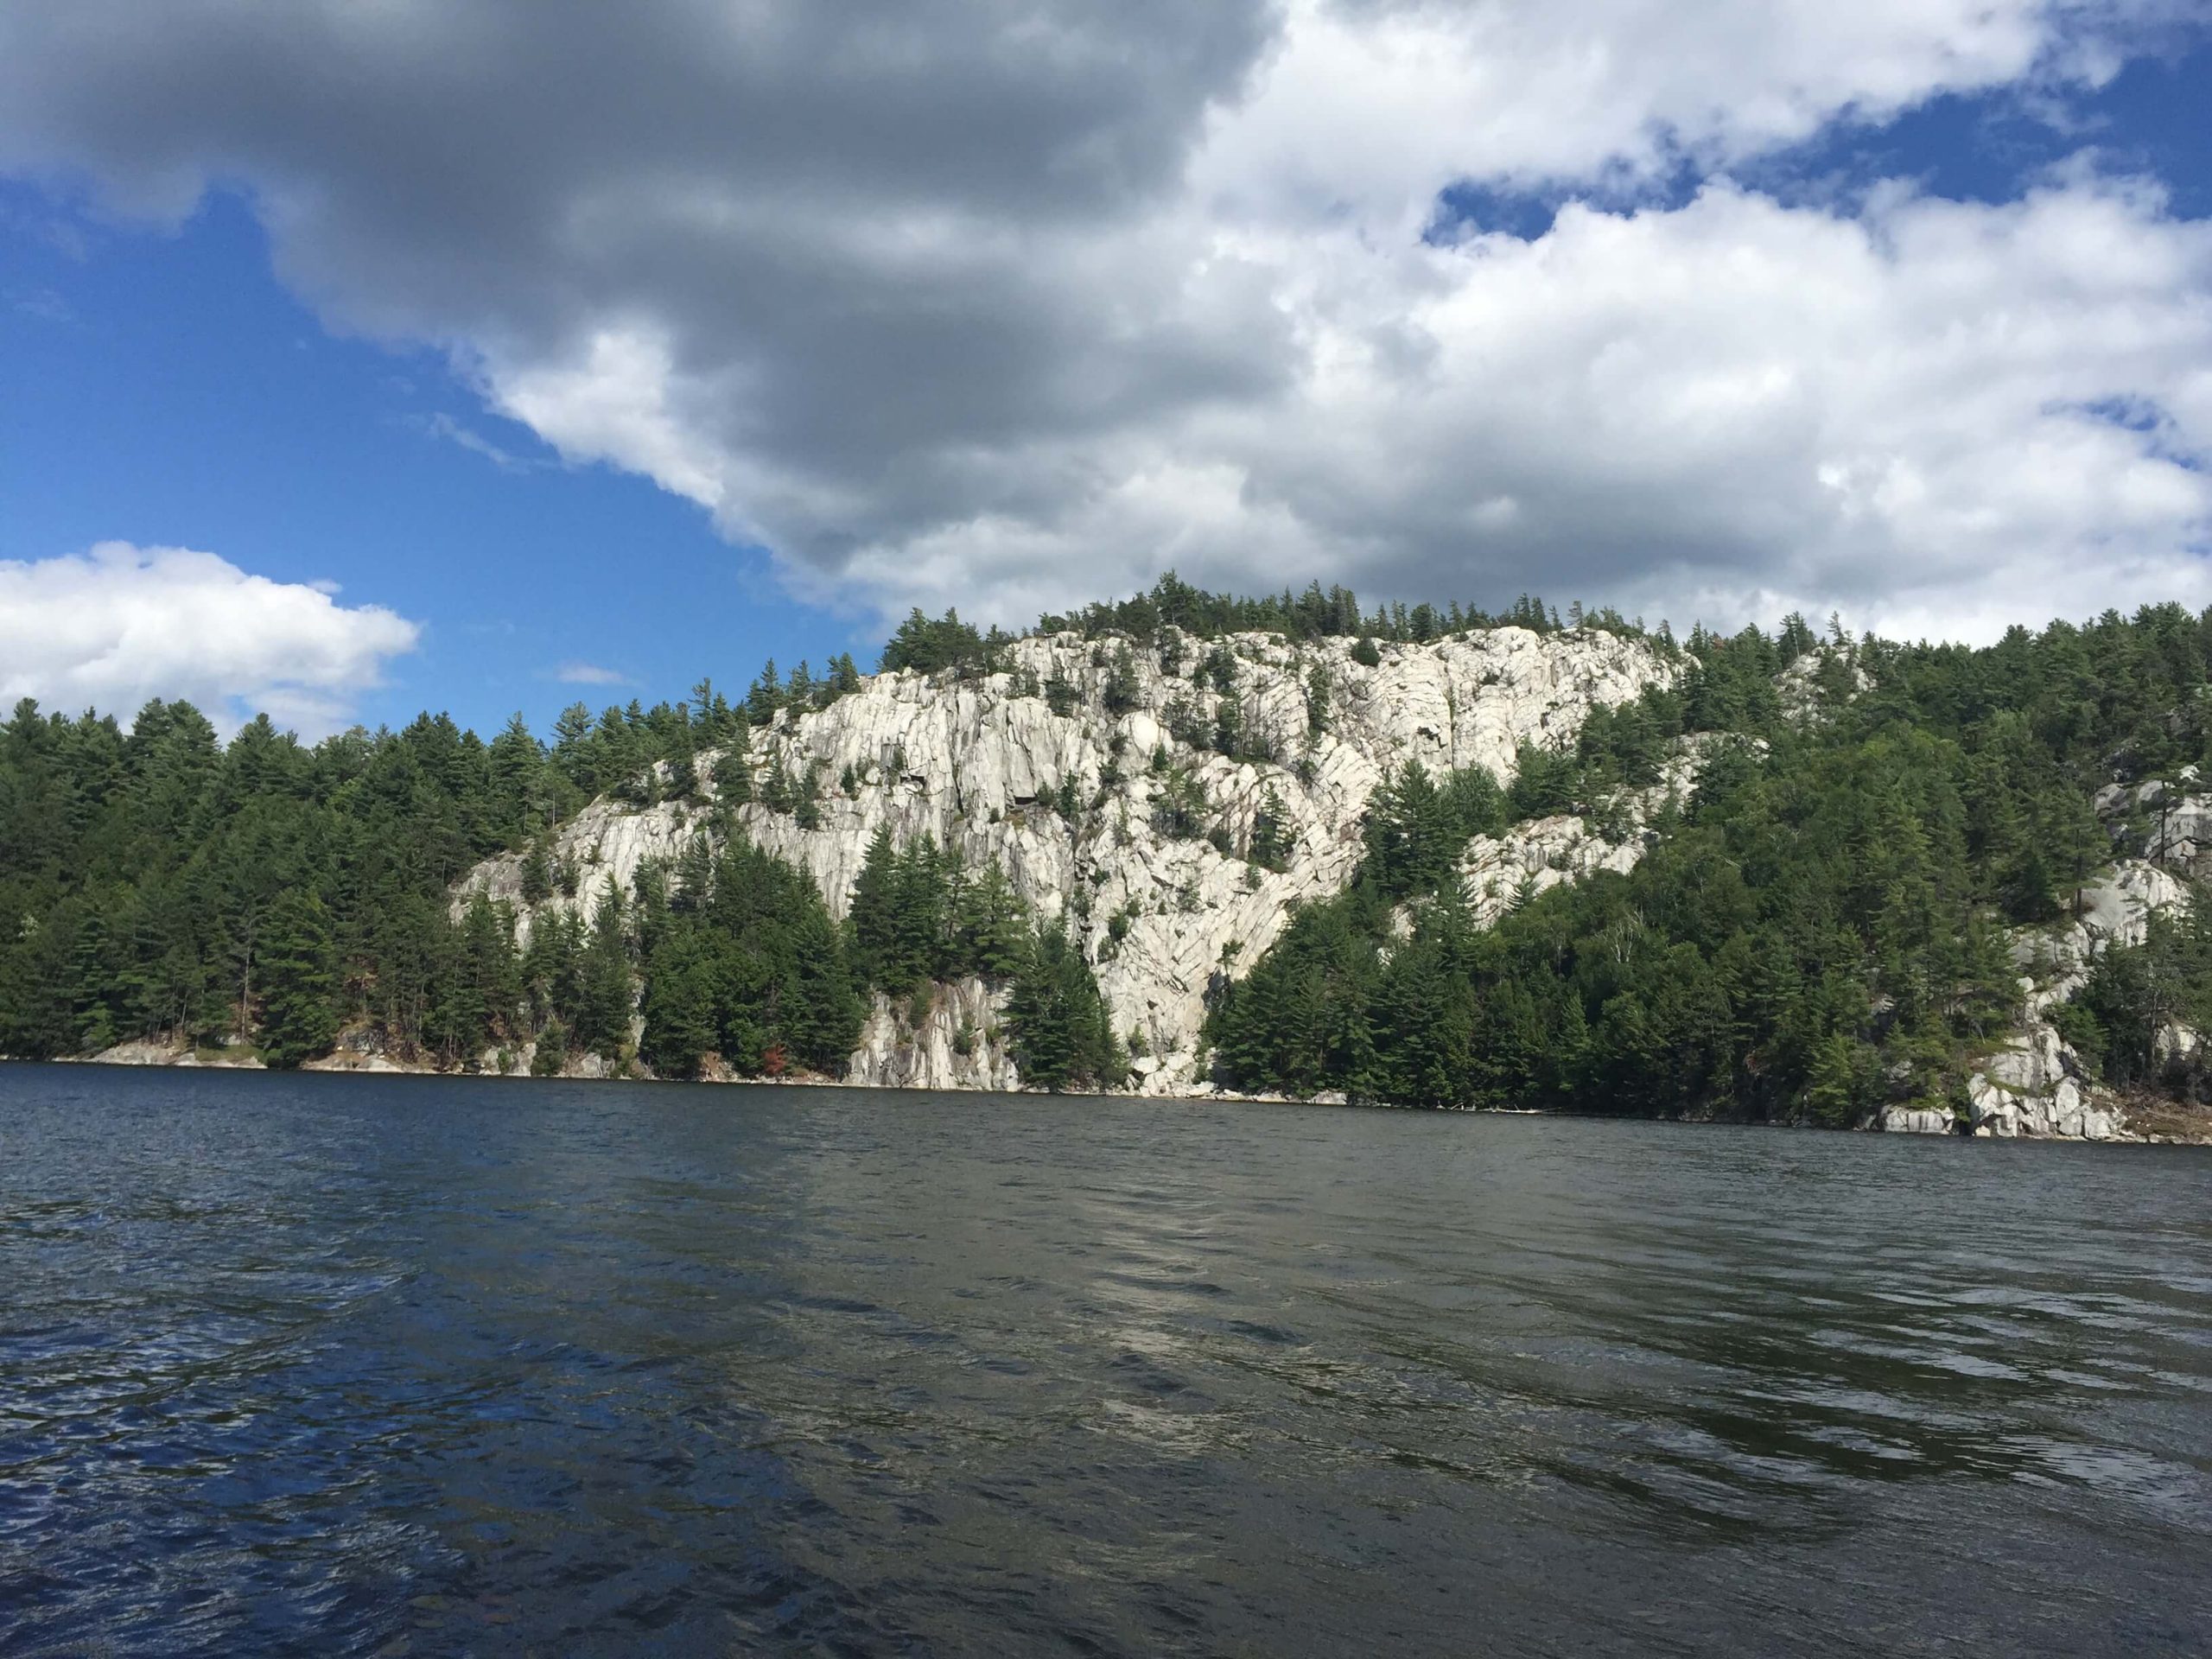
162 884
1818 926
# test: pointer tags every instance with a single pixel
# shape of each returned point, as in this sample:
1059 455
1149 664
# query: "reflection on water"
415 1366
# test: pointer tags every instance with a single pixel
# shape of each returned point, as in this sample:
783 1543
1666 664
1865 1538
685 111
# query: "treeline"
1817 930
1316 613
931 645
158 885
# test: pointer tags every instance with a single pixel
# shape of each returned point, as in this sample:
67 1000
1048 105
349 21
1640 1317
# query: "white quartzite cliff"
977 765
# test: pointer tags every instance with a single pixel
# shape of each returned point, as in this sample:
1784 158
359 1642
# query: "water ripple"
402 1366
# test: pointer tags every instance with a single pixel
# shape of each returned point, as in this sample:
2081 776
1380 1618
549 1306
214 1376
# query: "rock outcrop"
1812 686
2168 821
957 1044
1159 907
144 1051
1499 872
2036 1084
2114 909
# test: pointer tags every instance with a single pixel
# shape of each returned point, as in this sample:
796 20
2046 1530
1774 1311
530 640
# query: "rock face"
2167 821
2113 909
2036 1084
1810 687
140 1051
979 766
1916 1120
1499 873
958 1045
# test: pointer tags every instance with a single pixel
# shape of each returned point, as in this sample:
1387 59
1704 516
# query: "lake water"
411 1365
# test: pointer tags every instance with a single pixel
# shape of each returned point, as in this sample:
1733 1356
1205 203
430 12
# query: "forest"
1818 927
1818 930
163 884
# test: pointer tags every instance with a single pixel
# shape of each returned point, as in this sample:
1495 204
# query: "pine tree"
298 1021
602 1022
870 916
1270 842
679 1003
1317 700
766 696
551 1058
536 873
1060 1030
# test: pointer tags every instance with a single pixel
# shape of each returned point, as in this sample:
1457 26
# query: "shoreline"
354 1062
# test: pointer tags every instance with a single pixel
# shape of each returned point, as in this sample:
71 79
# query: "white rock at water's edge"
1916 1120
965 1013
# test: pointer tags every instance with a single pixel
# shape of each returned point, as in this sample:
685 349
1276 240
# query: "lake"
410 1365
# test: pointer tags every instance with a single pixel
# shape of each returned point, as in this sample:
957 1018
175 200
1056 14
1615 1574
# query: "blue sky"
734 352
167 390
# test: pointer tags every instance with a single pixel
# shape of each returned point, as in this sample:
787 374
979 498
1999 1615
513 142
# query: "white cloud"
1011 304
1371 106
589 674
111 628
447 429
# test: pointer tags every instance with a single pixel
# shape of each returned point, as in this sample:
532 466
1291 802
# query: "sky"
362 356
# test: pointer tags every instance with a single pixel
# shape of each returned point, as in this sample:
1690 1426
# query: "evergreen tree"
1061 1031
536 873
299 1021
1270 844
603 1006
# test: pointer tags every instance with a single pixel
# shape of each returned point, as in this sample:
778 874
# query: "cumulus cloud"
111 628
1007 304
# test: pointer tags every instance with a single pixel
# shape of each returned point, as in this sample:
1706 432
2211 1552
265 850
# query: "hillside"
1116 802
1190 842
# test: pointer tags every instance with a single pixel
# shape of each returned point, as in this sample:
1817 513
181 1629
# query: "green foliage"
299 981
160 886
1173 605
1178 806
536 872
1270 845
1414 830
601 1024
1121 695
806 800
1819 932
1061 1032
745 965
1317 701
2136 992
552 1054
929 646
918 916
